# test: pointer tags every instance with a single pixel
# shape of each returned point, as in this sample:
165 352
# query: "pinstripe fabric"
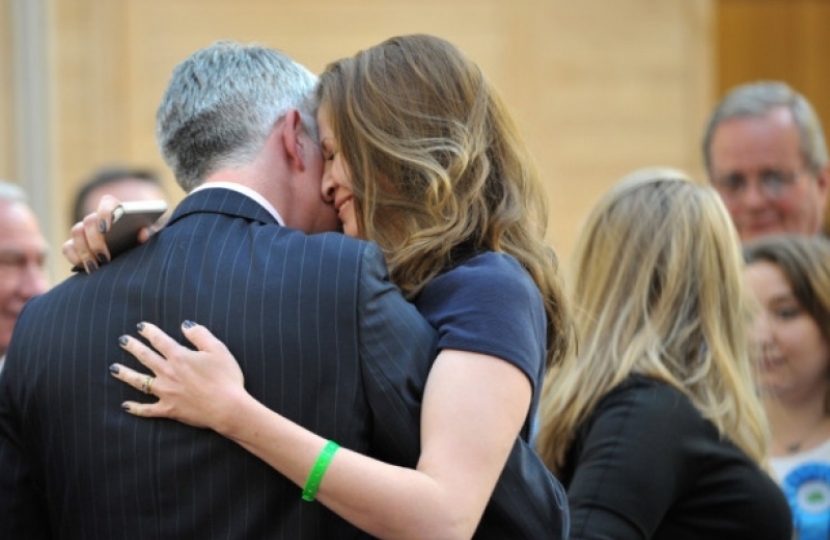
309 318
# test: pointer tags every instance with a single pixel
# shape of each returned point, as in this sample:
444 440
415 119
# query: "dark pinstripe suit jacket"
312 319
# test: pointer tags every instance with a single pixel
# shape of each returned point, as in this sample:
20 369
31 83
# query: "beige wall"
7 148
598 87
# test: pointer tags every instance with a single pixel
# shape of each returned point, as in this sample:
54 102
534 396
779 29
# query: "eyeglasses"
772 183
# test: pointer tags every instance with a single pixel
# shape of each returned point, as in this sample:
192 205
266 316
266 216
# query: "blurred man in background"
123 183
766 155
22 258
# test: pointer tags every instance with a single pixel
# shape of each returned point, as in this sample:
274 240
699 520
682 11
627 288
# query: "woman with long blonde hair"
654 426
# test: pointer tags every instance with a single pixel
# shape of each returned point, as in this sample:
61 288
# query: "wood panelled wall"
785 40
598 87
776 39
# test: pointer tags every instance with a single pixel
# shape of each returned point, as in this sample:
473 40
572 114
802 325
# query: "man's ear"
294 139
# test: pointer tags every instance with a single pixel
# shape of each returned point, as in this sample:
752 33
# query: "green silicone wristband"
319 469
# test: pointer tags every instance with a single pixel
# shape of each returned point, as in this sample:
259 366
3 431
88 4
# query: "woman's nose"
327 188
763 331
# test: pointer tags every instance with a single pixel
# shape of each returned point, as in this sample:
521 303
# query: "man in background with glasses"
766 155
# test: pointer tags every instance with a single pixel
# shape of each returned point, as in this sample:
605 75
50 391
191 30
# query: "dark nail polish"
140 326
90 267
102 259
114 368
123 341
125 407
102 226
188 324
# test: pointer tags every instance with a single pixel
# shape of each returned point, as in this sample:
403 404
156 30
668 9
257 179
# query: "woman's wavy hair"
658 289
805 263
437 164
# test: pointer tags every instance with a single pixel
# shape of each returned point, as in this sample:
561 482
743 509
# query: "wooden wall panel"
598 87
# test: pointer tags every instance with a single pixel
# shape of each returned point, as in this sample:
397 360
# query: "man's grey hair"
221 104
756 100
12 193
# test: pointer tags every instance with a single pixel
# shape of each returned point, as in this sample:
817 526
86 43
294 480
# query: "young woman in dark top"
654 426
422 158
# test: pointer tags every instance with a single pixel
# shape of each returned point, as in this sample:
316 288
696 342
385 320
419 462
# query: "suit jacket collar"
222 201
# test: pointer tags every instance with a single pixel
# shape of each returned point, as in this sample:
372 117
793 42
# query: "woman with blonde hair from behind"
654 426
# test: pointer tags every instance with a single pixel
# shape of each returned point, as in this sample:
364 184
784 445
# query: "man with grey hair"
313 320
766 155
22 257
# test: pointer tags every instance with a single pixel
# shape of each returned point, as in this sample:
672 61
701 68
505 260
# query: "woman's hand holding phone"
114 227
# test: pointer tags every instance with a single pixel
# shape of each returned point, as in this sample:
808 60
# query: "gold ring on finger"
147 384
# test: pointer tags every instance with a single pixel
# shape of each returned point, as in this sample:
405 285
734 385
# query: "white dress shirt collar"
248 192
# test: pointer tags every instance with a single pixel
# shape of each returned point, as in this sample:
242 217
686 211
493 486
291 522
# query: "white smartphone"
127 219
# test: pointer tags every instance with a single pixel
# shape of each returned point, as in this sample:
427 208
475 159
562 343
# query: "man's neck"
244 190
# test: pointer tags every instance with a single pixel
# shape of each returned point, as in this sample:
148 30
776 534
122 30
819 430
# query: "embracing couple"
343 387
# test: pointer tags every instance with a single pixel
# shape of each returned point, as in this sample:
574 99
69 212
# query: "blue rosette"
807 489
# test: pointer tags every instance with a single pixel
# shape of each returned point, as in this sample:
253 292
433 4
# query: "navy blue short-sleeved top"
490 305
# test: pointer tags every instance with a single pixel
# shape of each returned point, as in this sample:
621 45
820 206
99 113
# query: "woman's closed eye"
327 151
787 312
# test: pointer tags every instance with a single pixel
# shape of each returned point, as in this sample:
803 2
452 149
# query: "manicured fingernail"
102 259
90 267
114 367
140 326
123 341
126 407
188 324
102 226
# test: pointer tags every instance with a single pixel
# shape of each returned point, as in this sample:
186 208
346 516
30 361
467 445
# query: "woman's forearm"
384 500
